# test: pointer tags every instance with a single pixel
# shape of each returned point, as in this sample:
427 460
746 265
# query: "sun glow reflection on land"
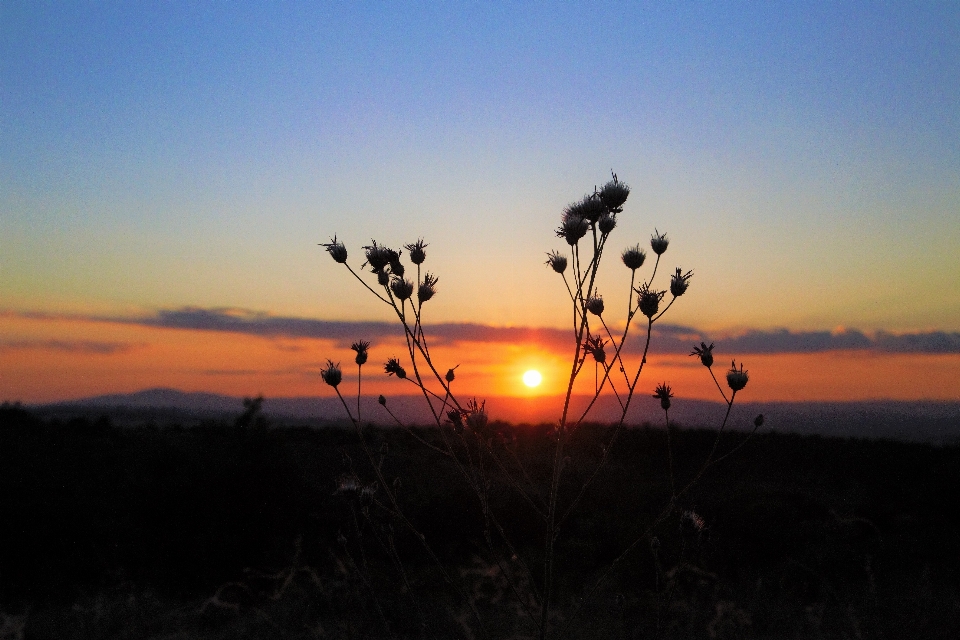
532 378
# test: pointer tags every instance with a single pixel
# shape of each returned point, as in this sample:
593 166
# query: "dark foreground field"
233 531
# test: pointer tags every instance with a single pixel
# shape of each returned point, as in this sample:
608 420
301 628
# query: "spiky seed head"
758 421
450 375
572 229
377 256
705 353
393 259
607 223
614 194
477 417
382 400
593 207
663 392
659 242
331 374
383 278
633 257
393 367
401 288
336 249
599 353
680 282
737 378
361 347
594 345
595 305
648 300
589 208
456 419
416 251
427 288
557 262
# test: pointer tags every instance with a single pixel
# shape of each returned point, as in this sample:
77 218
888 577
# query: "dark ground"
238 531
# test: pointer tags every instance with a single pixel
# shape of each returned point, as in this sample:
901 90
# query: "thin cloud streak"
69 346
667 338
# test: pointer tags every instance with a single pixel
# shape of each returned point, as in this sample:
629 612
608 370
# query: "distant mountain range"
925 421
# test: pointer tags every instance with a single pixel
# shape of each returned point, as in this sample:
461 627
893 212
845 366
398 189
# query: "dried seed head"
393 367
331 374
383 278
594 346
705 353
557 262
595 305
416 251
737 379
382 400
477 417
450 375
659 242
377 256
361 349
614 194
648 301
572 230
589 208
456 419
758 421
633 257
663 392
680 282
428 288
607 223
336 250
401 288
393 259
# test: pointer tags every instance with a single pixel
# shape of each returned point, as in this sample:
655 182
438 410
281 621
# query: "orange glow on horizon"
52 359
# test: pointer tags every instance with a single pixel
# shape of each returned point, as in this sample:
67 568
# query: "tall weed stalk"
473 444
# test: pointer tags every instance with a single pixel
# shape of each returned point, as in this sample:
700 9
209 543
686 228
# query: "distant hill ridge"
922 420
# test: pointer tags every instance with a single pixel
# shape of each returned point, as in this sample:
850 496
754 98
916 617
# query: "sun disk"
532 378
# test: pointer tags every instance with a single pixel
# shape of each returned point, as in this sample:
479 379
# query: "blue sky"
805 159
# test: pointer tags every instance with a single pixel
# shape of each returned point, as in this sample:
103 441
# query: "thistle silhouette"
479 449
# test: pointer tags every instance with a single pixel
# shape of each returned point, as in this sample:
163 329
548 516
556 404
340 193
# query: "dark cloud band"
667 338
69 346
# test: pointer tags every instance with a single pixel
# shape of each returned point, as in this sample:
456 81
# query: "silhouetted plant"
480 449
252 415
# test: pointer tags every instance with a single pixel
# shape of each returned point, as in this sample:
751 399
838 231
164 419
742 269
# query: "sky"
167 173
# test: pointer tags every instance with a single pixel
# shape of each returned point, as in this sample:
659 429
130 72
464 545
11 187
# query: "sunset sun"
532 378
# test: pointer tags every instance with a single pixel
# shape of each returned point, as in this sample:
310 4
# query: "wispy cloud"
69 346
667 338
784 341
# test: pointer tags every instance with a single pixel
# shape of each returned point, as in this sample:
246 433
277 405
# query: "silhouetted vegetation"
216 531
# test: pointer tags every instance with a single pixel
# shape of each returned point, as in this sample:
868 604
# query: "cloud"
784 341
69 346
667 338
345 332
